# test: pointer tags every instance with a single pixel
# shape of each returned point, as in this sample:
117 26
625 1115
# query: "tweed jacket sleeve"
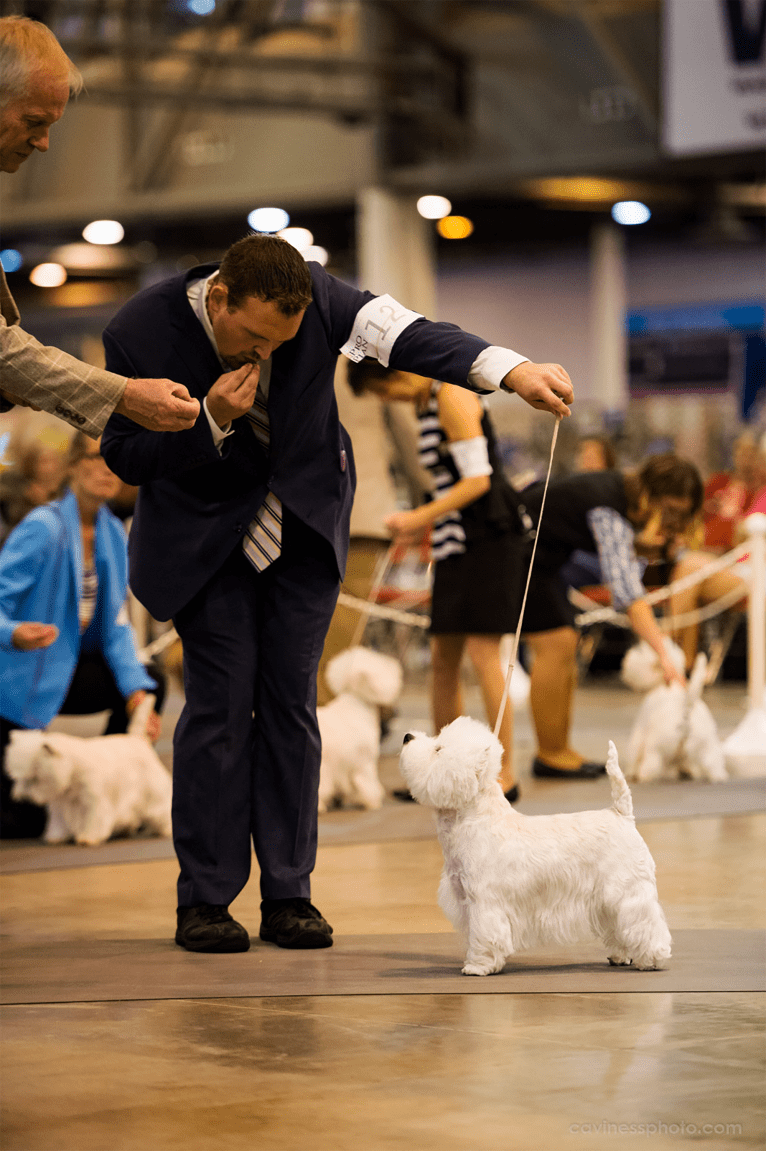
80 394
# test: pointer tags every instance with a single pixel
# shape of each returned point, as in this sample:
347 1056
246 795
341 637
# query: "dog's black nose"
408 737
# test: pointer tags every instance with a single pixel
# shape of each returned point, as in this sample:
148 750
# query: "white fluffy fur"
349 725
510 881
674 735
93 788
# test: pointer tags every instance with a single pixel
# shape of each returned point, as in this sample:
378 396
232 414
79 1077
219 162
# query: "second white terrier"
511 882
93 788
363 681
674 735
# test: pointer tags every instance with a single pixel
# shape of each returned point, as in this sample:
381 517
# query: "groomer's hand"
159 405
31 636
233 393
544 386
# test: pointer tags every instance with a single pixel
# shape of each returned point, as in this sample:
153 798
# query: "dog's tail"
697 679
140 717
622 801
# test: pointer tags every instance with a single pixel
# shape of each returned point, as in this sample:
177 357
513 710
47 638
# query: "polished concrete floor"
115 1040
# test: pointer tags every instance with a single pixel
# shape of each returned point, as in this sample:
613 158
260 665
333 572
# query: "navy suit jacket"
194 503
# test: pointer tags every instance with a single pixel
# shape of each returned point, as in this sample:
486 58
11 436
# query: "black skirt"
479 591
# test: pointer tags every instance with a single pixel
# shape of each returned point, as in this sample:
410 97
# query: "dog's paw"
620 961
475 969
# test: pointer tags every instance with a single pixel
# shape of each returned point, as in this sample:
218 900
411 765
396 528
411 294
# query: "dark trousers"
246 749
92 689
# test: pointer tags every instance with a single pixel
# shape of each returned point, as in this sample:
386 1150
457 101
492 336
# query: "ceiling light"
103 232
201 7
630 212
315 252
434 207
268 219
48 275
11 260
300 238
455 227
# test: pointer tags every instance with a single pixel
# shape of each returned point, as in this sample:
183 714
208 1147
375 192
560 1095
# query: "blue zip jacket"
40 582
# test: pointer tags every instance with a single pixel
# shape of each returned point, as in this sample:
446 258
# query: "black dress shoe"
513 793
294 923
584 771
209 927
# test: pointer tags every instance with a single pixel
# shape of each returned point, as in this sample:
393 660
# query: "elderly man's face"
26 119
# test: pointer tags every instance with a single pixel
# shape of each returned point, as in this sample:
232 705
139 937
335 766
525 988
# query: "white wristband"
471 457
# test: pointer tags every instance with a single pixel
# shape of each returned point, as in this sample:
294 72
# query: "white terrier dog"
510 881
93 788
363 681
674 735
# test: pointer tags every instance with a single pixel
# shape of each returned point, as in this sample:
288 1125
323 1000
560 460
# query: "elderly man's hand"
544 386
159 405
233 393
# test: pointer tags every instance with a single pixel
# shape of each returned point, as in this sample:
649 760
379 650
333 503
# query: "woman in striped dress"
476 542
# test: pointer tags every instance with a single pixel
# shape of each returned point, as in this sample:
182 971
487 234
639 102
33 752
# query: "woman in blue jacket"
66 645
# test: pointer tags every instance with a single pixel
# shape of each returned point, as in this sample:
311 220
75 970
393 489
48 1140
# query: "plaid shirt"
80 394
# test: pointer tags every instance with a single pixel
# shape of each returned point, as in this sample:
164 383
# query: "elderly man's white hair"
25 46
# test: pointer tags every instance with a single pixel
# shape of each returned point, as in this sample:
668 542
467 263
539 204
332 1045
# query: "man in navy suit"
240 536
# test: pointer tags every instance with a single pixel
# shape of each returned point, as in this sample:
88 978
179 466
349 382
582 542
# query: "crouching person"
65 642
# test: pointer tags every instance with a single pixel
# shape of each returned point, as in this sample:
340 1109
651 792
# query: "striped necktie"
263 539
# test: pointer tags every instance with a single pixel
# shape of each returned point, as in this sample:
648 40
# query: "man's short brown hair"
268 268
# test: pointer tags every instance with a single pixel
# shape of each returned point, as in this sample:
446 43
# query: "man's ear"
219 295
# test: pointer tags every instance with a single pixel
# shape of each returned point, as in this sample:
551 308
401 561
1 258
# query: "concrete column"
396 251
608 307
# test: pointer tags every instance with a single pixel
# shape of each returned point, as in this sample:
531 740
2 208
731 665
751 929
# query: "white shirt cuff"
491 366
219 434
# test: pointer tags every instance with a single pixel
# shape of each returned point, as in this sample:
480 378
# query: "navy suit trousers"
246 747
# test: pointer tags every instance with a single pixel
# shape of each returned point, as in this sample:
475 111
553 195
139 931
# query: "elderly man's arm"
81 394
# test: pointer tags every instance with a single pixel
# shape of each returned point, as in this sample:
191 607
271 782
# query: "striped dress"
447 533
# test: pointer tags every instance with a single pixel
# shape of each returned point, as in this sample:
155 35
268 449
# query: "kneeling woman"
476 542
65 642
607 513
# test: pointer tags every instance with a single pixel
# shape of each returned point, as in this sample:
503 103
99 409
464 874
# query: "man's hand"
18 401
544 386
31 636
233 393
159 405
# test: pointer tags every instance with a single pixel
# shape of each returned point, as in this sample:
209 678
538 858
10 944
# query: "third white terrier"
674 735
510 881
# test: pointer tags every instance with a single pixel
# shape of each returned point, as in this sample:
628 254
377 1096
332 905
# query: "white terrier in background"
93 788
511 882
674 735
362 681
